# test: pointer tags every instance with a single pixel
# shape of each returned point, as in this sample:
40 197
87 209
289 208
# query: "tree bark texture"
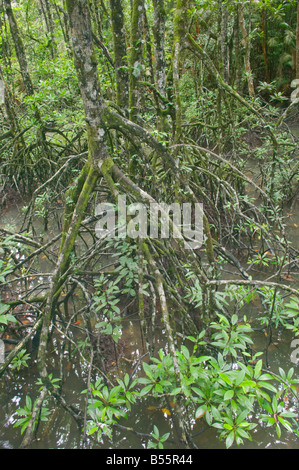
120 53
19 47
136 62
159 54
247 46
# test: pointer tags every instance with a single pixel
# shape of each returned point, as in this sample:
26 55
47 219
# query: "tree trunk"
63 24
95 17
120 53
149 67
135 57
86 67
46 9
223 41
19 47
247 46
180 23
264 39
160 64
22 60
237 51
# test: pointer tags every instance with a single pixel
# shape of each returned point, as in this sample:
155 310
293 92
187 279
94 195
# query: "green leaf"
225 378
185 352
267 386
3 308
203 359
11 318
228 395
285 423
176 391
158 388
288 414
156 432
282 373
258 368
200 411
228 426
148 370
266 377
249 383
267 407
165 437
290 373
198 391
28 403
230 440
278 431
242 416
3 319
243 433
208 417
240 377
146 390
216 413
92 430
274 404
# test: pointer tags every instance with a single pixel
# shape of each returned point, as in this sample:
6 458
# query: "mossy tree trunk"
180 25
19 47
95 17
160 62
63 23
247 47
264 43
237 79
136 61
120 53
86 67
46 9
224 16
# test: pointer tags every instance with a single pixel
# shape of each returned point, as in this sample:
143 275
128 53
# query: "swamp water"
61 431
